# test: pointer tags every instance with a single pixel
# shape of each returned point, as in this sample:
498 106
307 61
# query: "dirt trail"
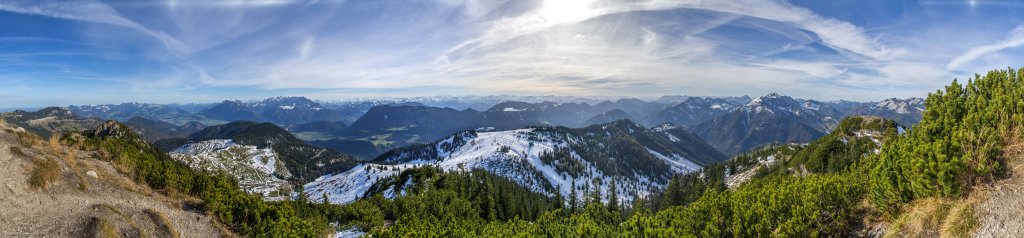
1002 214
79 205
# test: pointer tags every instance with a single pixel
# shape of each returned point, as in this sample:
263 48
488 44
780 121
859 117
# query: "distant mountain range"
366 128
781 119
278 110
693 111
640 144
769 119
126 111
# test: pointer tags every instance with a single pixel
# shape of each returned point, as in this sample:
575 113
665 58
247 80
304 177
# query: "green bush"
246 214
956 145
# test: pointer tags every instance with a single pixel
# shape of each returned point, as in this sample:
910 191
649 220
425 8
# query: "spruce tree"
613 198
573 197
595 196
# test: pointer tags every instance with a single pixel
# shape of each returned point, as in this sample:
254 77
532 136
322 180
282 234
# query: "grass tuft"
960 222
46 171
105 229
55 146
26 139
164 227
17 151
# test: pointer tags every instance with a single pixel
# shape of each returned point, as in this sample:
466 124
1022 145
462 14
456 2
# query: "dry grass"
164 227
947 217
71 157
961 221
55 146
938 217
17 151
71 160
1013 151
923 218
103 228
45 173
131 230
26 139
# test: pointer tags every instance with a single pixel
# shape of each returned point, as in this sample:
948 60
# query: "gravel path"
1002 214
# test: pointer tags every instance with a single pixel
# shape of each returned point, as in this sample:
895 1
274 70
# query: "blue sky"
88 52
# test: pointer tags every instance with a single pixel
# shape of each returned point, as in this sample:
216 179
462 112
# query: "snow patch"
350 233
257 170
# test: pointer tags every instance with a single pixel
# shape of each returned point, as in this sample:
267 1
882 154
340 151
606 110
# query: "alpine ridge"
549 160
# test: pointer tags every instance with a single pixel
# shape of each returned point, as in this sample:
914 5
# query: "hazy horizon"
564 99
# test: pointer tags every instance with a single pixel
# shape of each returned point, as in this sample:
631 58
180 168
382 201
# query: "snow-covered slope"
257 170
693 111
904 111
545 160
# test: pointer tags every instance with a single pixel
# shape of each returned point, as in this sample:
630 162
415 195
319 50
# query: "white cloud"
90 11
840 35
814 69
306 46
1014 39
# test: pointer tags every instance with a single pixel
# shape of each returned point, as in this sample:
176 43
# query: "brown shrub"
45 173
26 139
164 227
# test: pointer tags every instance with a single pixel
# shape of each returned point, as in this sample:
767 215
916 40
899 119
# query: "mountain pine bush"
956 145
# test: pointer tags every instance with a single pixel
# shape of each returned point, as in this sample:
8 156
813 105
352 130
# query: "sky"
179 51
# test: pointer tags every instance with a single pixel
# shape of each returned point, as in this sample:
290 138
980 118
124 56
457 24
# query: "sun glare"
561 11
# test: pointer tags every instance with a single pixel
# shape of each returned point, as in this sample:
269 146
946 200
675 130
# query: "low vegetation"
165 229
26 139
243 213
17 151
44 173
103 229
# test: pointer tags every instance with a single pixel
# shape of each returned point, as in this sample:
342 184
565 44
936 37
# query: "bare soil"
77 205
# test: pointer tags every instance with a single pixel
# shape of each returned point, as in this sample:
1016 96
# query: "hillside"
57 190
154 130
769 119
607 117
263 157
551 160
49 121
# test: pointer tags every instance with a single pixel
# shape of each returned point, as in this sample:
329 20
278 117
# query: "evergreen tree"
639 205
573 197
595 195
613 198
